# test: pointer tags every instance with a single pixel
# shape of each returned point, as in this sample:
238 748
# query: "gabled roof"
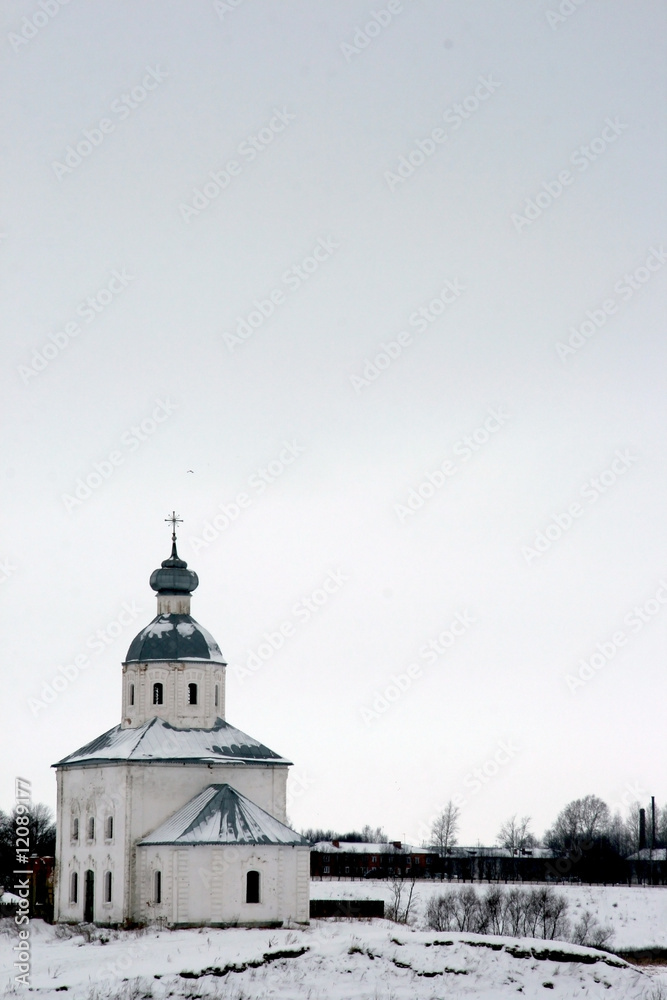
222 815
156 740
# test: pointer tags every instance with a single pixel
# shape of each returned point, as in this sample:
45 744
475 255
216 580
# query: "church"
174 815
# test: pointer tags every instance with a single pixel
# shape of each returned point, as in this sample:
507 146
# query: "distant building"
341 859
174 815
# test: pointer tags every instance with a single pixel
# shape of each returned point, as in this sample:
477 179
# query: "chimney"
642 829
652 822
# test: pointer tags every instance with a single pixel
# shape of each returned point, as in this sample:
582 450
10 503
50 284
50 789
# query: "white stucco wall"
206 884
139 797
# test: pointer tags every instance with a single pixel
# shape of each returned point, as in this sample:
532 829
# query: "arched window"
192 694
74 888
252 887
107 887
75 828
158 691
217 695
157 888
108 830
131 694
91 828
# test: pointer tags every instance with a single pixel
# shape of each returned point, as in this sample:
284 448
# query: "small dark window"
192 694
75 830
157 694
91 828
217 695
326 869
108 833
107 887
252 887
74 888
131 694
157 894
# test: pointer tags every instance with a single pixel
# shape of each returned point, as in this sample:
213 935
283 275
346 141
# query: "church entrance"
89 898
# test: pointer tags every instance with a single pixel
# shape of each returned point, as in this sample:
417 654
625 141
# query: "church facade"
174 815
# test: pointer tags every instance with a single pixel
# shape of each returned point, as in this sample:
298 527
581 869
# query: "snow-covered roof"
157 740
650 854
499 852
361 847
222 815
174 637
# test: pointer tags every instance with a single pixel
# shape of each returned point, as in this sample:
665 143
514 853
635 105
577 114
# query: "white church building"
174 815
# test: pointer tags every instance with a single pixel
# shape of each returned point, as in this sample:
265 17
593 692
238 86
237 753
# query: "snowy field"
637 914
330 960
348 959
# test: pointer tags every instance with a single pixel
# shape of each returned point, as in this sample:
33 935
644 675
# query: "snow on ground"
348 959
637 914
329 960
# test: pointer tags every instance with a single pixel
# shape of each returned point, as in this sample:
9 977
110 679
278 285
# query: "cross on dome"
174 520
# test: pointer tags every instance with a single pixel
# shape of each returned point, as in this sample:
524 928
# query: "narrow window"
75 828
157 694
131 694
157 894
107 887
108 833
74 888
91 828
192 694
252 887
217 695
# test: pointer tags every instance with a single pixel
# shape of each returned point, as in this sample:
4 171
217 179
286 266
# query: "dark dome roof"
174 637
174 577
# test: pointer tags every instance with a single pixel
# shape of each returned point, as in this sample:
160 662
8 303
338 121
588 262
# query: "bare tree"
445 827
581 821
515 834
402 900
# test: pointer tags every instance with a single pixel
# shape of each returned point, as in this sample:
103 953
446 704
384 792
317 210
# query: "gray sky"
411 345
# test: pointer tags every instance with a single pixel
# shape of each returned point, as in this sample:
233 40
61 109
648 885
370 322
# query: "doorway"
89 897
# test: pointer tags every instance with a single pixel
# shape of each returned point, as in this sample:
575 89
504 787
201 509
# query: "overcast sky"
372 295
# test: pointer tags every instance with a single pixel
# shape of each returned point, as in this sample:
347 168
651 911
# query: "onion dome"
174 577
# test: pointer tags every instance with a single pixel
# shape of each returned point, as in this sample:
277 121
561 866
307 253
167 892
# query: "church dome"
174 637
174 577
